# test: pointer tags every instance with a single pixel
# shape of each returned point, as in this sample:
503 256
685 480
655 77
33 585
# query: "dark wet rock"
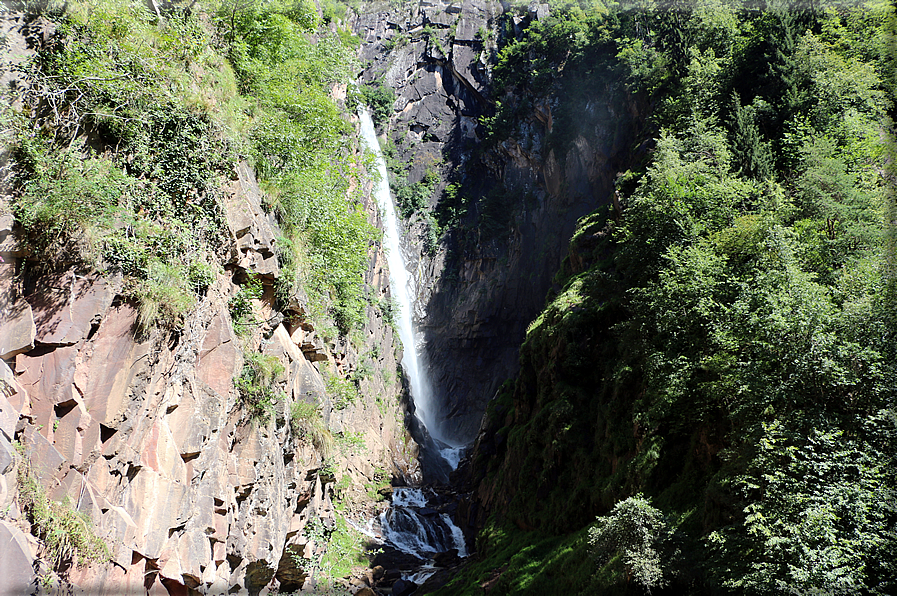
404 587
393 559
447 558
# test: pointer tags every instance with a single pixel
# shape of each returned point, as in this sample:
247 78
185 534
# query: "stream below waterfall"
418 521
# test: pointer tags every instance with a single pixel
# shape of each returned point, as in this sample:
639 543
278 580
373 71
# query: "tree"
751 154
634 531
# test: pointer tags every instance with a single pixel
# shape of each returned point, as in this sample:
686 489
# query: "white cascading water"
409 524
412 527
401 284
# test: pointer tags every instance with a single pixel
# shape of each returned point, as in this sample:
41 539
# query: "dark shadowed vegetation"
725 346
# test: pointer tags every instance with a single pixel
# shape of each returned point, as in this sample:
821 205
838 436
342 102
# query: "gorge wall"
146 434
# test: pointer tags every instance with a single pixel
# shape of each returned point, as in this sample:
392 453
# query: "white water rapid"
411 524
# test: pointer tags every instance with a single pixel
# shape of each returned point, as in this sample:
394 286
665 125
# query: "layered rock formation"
147 436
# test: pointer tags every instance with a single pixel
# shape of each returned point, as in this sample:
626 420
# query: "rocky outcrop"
148 437
490 274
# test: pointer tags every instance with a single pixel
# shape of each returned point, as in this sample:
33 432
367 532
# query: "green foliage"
512 561
343 392
380 99
632 530
83 208
306 423
141 196
351 443
257 385
344 551
723 346
381 482
165 115
398 40
67 535
752 155
299 141
240 305
816 510
412 197
389 308
66 197
164 297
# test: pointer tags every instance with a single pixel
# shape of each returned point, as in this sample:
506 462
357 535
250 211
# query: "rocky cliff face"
489 276
147 436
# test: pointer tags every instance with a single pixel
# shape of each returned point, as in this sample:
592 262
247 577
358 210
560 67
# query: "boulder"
193 421
10 246
447 558
75 434
474 18
120 532
403 587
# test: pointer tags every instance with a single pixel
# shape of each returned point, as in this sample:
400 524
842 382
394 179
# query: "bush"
632 530
67 534
163 298
380 99
140 197
306 422
256 385
343 392
240 305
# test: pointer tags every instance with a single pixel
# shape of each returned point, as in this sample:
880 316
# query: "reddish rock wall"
148 437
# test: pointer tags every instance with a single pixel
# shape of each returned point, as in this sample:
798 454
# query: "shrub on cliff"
306 422
380 99
256 385
67 534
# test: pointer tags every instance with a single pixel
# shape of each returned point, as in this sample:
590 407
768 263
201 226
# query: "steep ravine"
146 434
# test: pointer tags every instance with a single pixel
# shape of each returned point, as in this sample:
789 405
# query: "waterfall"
402 285
413 523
